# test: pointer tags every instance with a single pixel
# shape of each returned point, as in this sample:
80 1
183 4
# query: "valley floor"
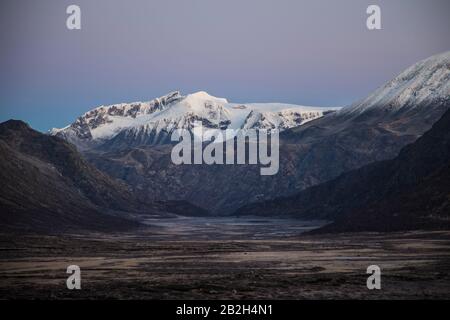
163 263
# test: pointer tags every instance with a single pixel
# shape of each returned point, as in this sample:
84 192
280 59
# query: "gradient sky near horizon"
311 52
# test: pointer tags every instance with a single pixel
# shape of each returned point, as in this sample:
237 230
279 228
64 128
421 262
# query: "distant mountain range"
317 151
342 165
126 125
411 191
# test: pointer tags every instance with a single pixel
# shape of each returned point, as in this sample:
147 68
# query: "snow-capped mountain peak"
152 122
200 97
425 83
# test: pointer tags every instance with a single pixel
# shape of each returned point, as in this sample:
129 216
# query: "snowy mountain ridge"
152 122
425 83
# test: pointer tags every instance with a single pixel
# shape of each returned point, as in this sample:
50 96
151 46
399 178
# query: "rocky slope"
411 191
48 186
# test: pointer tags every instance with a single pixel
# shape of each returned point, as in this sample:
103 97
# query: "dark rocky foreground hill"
46 185
411 191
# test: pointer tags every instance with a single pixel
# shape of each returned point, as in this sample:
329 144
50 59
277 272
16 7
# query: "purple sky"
313 52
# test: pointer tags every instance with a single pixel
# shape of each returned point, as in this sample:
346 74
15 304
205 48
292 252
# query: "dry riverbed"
225 259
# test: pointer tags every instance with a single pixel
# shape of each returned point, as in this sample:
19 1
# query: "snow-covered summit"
425 83
152 122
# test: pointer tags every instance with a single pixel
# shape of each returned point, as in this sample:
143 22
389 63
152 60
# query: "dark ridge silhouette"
411 191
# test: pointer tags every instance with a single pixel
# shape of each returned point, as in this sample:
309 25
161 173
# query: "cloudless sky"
311 52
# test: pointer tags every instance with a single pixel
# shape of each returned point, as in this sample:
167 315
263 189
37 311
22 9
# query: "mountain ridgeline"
121 126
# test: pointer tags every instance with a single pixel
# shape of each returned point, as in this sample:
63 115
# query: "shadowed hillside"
411 191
